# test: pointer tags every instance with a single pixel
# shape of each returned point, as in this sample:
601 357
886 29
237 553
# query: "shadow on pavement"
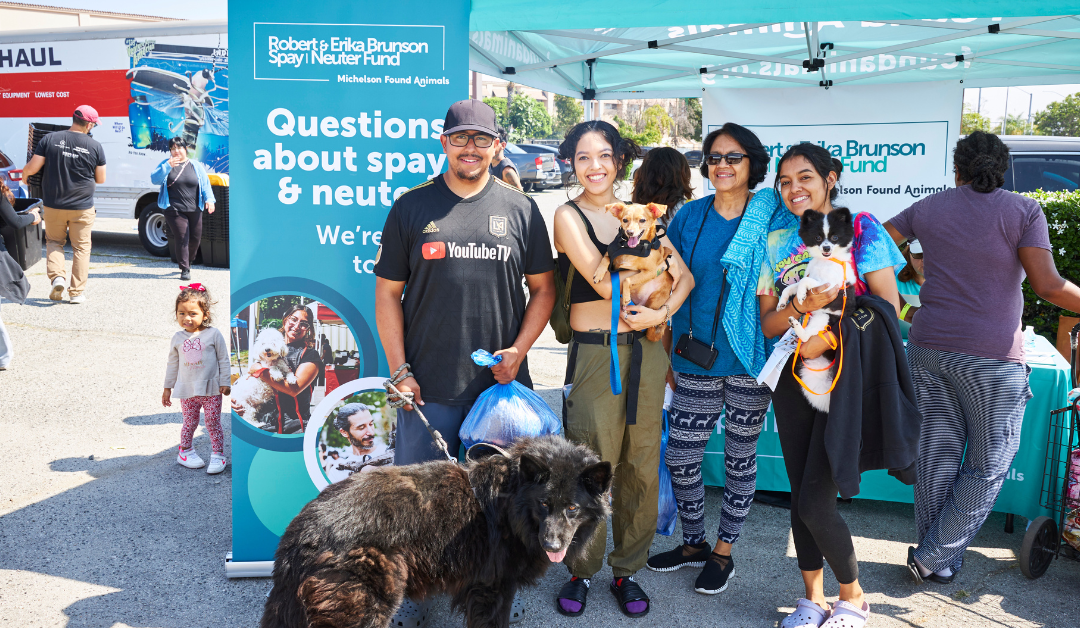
145 526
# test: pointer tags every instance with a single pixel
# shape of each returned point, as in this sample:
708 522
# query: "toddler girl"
199 370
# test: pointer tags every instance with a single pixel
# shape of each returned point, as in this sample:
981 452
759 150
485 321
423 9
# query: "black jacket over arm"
874 419
13 283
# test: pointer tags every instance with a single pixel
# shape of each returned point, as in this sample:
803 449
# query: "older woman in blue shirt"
185 192
723 239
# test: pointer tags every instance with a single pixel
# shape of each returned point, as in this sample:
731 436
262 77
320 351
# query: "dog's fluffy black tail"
364 588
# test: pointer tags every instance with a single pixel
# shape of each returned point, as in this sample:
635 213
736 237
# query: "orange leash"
840 332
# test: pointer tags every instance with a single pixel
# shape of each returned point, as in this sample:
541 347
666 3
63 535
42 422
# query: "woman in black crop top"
625 429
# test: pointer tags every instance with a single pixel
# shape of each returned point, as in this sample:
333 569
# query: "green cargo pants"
596 418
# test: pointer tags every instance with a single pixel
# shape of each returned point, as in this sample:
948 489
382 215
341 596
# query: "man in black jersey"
461 242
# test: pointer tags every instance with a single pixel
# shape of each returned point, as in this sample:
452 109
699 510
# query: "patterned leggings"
211 407
695 409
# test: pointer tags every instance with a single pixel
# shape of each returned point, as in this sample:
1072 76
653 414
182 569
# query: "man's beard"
358 443
461 174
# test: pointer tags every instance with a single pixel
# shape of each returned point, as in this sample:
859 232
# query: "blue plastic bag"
506 412
668 512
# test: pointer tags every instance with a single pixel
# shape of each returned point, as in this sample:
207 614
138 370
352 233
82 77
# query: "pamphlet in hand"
770 374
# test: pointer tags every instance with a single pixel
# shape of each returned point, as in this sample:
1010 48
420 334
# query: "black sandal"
574 591
626 592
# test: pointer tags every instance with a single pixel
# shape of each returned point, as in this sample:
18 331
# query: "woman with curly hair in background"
966 345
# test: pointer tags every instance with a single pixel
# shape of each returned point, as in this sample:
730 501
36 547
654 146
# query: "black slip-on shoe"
714 578
913 568
675 559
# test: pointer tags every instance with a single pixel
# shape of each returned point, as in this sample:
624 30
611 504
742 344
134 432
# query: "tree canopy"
1060 118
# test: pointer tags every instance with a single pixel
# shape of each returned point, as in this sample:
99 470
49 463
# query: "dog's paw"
276 374
782 304
794 322
290 378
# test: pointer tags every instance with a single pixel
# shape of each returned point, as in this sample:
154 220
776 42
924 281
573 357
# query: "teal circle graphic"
278 487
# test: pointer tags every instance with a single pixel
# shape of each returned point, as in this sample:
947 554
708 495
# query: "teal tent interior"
675 48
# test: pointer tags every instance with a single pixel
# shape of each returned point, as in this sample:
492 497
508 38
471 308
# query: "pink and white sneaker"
189 458
217 464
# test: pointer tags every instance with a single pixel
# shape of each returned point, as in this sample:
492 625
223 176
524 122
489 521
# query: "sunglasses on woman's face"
916 256
733 159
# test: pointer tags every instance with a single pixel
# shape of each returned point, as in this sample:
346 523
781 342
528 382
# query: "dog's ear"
616 209
597 478
840 215
810 216
532 470
656 209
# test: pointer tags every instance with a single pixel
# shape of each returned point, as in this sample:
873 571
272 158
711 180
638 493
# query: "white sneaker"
217 464
189 459
77 299
57 293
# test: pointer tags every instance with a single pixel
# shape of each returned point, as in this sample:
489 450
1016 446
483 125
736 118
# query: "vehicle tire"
153 231
527 187
1039 547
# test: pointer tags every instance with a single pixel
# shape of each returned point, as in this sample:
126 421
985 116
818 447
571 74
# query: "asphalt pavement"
99 527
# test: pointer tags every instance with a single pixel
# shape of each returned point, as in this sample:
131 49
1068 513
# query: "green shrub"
1062 211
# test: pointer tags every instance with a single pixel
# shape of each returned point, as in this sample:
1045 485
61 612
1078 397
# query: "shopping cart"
1043 541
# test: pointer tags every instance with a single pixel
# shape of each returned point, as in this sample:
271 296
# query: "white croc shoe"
411 614
847 615
517 609
806 615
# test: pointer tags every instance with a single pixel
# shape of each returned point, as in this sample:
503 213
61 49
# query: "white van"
148 84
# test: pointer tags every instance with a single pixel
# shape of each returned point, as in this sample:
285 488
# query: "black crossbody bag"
688 347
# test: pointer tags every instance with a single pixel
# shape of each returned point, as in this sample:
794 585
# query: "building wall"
18 17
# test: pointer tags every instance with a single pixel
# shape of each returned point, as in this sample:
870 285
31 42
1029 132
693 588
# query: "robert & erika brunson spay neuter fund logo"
369 54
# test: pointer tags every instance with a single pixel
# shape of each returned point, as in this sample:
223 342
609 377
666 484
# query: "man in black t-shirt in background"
74 163
461 243
501 167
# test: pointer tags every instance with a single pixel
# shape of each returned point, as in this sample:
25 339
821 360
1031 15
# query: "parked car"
1042 163
693 157
568 177
11 175
537 170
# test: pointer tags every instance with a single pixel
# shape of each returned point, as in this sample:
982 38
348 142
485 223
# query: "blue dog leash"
613 343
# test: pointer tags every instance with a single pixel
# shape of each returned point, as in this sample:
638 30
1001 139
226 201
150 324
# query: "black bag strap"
570 273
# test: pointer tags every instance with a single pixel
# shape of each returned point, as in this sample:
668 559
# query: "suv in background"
1040 162
537 170
564 164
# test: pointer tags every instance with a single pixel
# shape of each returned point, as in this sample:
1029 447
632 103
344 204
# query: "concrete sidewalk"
129 538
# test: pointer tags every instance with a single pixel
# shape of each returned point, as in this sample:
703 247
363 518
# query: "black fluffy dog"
479 532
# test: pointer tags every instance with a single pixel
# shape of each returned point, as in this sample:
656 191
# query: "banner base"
249 569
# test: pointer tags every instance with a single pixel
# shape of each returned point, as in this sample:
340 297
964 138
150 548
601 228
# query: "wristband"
796 308
904 310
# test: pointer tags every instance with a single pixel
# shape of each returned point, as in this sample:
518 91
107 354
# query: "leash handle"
397 399
614 372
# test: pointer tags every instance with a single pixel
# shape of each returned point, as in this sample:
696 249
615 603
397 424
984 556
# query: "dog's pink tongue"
632 241
556 557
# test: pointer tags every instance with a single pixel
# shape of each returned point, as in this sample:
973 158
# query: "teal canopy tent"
607 51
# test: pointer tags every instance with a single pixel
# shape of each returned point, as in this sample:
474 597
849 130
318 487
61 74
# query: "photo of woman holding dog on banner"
723 239
623 429
807 178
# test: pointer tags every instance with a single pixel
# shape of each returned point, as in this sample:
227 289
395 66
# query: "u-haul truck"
148 84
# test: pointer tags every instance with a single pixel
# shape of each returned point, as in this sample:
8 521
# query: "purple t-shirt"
971 301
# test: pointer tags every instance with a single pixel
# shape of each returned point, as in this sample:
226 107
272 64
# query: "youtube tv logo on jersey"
434 250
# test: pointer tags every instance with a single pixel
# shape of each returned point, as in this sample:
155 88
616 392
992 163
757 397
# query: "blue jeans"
414 443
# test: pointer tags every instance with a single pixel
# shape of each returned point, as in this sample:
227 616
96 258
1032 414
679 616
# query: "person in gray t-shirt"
966 352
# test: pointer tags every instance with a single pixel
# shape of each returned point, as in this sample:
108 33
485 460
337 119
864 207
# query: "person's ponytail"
981 159
838 168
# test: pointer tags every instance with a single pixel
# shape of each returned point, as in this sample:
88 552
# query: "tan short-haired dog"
638 248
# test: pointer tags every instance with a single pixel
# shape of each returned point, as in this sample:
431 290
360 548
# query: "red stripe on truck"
57 94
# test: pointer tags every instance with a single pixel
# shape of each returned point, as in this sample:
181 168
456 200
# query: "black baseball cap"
471 115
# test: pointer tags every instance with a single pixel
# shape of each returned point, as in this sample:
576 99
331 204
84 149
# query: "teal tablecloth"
1020 494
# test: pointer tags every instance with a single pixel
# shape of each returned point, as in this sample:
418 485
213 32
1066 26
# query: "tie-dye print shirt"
787 258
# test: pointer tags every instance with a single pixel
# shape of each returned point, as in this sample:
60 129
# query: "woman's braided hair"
981 159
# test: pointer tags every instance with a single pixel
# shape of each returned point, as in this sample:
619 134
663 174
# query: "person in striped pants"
966 345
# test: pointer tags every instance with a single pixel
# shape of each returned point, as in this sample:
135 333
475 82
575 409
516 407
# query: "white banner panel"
895 141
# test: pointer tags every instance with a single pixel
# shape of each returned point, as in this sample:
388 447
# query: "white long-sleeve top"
198 363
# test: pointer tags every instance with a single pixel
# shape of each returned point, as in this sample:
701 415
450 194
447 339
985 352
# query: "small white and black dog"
828 239
255 395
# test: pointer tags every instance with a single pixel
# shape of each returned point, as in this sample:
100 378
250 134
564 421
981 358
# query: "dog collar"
644 248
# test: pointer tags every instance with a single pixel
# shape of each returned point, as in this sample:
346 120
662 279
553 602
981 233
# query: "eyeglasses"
733 159
302 325
480 140
916 256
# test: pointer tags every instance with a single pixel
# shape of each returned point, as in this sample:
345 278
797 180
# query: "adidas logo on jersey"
431 228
